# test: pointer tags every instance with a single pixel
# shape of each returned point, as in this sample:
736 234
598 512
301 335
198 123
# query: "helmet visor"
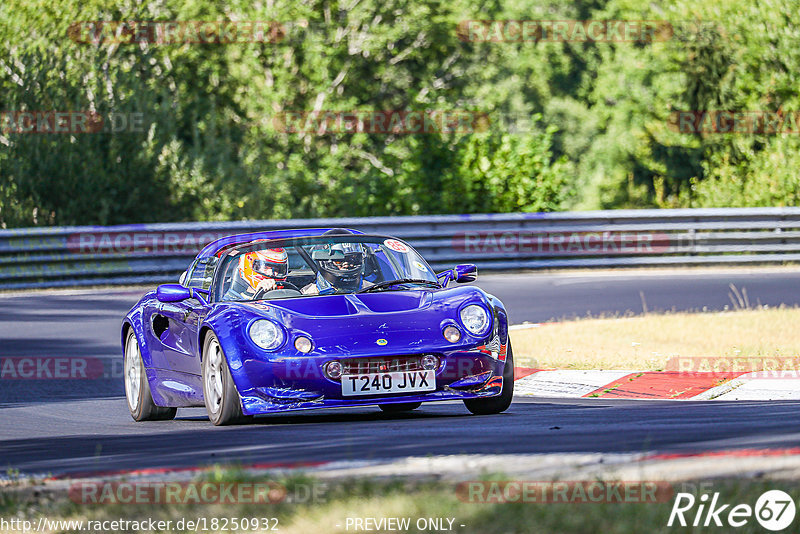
349 264
270 269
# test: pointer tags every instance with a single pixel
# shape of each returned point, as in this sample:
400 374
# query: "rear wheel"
399 407
500 403
137 389
223 404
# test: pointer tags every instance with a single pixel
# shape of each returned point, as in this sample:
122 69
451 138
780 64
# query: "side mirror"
173 293
466 272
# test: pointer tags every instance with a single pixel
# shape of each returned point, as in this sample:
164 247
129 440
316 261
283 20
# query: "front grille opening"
390 364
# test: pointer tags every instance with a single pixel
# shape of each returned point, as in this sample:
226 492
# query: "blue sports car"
297 319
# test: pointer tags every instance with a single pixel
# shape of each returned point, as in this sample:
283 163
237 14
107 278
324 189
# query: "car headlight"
266 334
475 319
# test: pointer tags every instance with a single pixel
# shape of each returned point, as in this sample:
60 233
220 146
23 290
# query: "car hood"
400 322
347 305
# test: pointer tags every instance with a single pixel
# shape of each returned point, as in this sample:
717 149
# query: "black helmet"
342 265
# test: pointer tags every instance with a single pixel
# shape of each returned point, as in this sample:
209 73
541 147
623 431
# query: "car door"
180 339
180 322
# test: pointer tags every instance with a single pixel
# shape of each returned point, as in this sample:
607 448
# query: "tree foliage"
574 125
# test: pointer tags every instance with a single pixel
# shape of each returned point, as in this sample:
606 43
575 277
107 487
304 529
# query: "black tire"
399 407
137 389
493 405
223 404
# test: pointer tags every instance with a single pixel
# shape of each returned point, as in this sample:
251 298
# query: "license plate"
399 382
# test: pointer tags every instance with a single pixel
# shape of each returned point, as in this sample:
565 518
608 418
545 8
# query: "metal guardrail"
153 253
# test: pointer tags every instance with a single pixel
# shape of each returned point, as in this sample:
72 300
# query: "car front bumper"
298 383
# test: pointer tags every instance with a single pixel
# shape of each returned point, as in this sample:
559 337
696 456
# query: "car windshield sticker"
396 245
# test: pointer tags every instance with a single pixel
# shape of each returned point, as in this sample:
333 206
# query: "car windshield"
325 265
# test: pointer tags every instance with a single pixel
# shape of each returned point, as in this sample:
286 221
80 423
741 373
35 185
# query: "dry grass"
648 341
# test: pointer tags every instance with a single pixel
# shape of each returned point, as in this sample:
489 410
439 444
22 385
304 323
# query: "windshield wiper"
389 283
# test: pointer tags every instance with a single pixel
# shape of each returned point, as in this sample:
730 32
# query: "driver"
343 272
262 269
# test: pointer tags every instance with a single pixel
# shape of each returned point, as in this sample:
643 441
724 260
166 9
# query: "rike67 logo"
774 510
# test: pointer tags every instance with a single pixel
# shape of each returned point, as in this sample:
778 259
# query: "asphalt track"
71 426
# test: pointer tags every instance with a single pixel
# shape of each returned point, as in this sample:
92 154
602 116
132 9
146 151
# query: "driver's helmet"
343 273
257 266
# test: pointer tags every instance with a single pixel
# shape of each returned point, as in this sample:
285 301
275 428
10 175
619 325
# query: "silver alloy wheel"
133 372
214 388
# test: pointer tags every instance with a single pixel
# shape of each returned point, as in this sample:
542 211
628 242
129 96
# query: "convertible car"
286 320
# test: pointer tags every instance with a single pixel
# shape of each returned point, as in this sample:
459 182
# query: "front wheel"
137 389
223 404
498 404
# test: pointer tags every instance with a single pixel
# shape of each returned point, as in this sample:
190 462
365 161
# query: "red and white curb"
672 385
